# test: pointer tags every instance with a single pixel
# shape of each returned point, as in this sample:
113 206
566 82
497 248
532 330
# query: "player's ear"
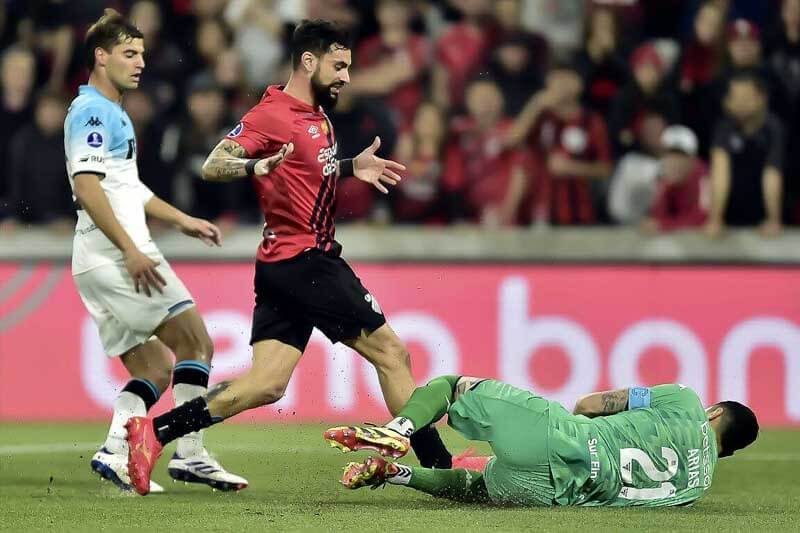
100 56
309 62
714 412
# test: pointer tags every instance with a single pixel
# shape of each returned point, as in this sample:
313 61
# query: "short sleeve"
775 155
260 131
88 135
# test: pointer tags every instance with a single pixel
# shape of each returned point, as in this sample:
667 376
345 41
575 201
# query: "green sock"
429 403
456 484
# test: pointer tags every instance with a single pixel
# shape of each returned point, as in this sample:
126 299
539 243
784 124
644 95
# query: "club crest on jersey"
95 140
325 129
313 130
235 132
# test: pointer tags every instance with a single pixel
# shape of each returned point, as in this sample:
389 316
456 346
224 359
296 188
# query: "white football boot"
114 468
205 469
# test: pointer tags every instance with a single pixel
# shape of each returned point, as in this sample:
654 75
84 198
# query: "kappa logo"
93 122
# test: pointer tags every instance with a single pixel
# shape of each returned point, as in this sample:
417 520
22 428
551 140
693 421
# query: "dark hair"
317 37
749 76
109 30
738 427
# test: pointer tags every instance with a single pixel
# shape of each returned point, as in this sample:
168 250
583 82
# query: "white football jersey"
99 139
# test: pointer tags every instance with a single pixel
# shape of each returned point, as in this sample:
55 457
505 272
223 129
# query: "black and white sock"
135 399
189 381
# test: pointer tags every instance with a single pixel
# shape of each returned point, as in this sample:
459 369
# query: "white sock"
402 425
126 405
402 477
190 444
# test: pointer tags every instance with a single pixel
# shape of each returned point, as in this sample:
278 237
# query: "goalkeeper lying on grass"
654 446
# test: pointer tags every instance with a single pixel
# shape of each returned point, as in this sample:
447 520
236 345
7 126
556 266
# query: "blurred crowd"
661 114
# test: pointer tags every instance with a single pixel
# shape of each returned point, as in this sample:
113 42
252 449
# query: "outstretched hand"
268 164
375 170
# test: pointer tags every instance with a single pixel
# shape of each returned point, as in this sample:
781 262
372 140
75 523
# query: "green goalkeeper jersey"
662 453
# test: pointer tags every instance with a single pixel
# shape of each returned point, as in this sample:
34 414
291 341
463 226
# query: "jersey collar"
277 92
88 89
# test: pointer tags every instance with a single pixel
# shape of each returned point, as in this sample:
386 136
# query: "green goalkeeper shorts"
515 423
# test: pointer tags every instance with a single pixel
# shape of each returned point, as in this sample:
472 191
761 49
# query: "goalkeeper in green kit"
643 446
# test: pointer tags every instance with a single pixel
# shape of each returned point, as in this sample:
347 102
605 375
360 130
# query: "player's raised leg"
149 365
384 349
427 405
187 337
265 383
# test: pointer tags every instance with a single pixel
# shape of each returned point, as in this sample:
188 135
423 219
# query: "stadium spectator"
559 21
17 77
646 92
700 64
682 198
569 144
393 63
212 38
206 122
155 154
746 161
633 186
784 60
39 192
517 64
166 66
46 30
258 34
357 121
460 50
745 53
484 181
600 62
420 148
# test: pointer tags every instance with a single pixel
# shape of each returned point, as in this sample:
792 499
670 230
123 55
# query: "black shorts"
313 289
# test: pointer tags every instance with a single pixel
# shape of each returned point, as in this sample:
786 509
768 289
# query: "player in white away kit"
142 309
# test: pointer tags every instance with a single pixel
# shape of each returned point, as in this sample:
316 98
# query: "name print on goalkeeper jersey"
662 452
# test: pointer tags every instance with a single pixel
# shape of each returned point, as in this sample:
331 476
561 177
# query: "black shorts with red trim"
313 289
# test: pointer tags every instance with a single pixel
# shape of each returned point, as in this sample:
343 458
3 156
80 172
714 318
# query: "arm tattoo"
614 401
217 389
226 162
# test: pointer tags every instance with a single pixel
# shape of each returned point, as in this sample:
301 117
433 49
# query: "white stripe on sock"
190 444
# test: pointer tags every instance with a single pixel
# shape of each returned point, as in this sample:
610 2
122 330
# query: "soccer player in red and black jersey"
287 146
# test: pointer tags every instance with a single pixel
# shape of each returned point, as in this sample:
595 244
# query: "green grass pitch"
46 484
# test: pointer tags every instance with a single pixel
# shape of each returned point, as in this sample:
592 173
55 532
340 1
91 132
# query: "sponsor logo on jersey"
95 140
235 132
327 156
314 131
94 122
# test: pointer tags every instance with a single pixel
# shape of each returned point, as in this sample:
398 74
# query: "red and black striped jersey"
297 198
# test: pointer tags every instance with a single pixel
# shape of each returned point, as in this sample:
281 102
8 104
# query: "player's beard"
322 92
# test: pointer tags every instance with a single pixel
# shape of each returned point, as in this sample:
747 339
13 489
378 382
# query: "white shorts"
124 317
